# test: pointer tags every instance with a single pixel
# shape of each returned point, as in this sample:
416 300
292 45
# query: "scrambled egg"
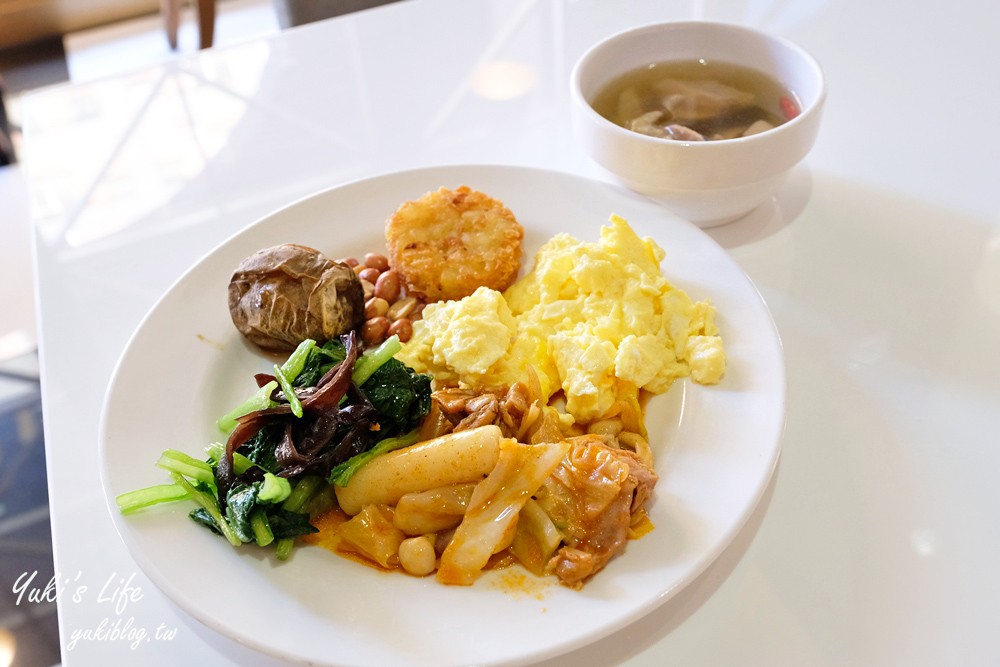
462 340
597 321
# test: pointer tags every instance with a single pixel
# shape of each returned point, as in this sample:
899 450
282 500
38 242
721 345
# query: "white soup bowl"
707 182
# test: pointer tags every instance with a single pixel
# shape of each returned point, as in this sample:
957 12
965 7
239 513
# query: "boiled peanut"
377 261
387 286
402 328
375 330
376 307
369 274
402 308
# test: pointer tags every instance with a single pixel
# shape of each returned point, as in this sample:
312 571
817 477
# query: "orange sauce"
514 580
327 524
328 538
640 526
510 576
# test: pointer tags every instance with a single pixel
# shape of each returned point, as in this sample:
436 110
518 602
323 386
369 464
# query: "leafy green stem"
371 361
210 505
133 501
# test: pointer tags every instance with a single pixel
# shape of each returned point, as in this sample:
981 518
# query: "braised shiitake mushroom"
280 296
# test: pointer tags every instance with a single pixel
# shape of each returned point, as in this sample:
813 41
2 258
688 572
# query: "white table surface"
878 540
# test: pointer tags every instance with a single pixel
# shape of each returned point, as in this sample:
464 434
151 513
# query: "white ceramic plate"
186 364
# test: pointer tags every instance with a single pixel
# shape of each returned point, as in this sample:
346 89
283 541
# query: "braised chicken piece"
591 497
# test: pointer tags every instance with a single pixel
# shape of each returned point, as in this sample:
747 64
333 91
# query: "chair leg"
171 11
206 23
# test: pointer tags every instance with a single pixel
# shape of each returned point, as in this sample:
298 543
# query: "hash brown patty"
447 243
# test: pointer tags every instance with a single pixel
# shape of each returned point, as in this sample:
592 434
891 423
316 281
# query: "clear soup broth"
696 100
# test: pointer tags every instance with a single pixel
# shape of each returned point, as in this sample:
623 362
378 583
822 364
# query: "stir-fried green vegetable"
324 413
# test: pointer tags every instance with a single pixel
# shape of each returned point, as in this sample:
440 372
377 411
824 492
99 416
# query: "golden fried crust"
449 242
